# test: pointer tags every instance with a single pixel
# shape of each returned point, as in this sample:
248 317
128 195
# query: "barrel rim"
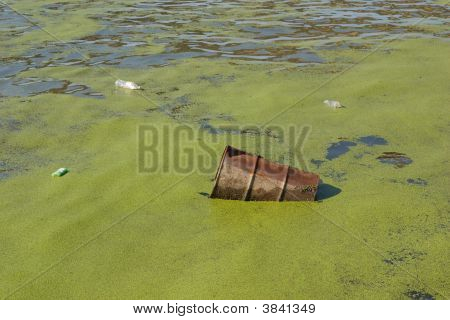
219 169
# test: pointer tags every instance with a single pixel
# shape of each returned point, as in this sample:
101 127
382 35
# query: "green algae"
106 232
183 245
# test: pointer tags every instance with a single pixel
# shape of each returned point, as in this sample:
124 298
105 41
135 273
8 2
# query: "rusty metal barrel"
243 176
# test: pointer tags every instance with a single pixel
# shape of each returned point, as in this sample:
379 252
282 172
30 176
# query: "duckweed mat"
380 227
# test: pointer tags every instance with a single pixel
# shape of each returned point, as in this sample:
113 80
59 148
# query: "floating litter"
60 172
333 104
127 85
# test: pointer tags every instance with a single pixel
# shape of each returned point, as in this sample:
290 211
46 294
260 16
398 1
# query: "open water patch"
27 87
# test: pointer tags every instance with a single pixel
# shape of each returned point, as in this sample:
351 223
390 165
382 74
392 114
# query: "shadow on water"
326 191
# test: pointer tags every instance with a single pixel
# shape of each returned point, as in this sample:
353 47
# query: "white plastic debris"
60 172
127 85
333 104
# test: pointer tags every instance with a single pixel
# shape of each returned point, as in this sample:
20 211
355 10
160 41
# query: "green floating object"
60 172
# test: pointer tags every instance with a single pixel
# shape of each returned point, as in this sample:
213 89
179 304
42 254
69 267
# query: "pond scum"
380 227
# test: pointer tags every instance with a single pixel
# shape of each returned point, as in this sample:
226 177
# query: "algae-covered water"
109 230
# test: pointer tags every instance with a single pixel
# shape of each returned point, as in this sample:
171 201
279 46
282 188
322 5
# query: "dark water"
14 24
336 149
32 86
397 159
373 141
263 32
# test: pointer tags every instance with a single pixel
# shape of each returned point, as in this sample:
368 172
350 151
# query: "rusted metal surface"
243 176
